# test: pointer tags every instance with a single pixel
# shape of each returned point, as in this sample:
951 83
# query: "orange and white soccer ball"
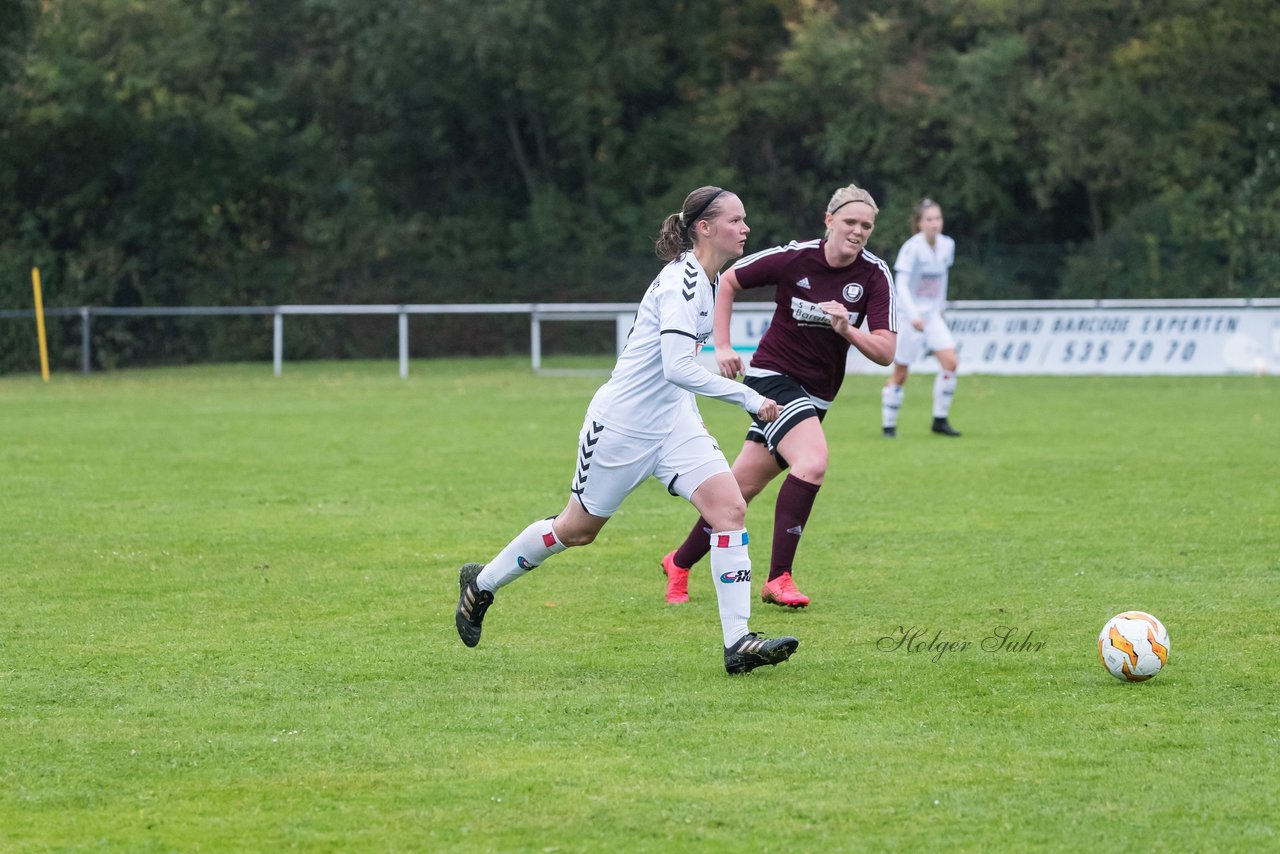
1133 646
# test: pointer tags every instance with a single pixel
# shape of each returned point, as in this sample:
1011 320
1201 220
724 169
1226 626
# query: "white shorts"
913 344
611 465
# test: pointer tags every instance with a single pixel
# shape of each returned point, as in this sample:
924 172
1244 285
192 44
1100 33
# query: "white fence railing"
538 312
1177 337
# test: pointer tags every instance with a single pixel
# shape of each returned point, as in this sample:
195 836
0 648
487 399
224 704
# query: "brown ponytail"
676 234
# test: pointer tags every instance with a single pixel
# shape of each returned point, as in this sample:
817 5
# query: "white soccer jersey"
921 275
654 380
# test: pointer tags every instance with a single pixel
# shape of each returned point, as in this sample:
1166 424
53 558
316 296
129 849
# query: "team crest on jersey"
803 283
853 292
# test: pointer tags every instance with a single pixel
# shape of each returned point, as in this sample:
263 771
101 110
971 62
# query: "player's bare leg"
754 468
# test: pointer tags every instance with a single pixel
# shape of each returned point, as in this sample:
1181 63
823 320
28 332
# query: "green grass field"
227 623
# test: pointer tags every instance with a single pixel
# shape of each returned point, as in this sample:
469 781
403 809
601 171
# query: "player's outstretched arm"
680 368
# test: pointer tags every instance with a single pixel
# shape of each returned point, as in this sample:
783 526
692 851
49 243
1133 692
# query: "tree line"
233 152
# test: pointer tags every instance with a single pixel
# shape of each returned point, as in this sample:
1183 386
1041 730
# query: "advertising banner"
1103 337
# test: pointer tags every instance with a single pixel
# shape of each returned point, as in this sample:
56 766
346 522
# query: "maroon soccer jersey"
800 341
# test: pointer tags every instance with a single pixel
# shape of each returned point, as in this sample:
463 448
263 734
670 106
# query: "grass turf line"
227 622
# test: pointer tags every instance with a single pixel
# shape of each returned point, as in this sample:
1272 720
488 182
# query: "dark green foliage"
227 152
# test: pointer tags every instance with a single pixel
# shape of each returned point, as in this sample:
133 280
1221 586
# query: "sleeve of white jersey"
677 318
902 269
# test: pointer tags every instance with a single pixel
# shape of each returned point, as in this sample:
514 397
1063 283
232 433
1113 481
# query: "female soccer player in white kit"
921 276
644 423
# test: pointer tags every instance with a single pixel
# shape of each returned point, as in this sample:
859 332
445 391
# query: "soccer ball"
1133 646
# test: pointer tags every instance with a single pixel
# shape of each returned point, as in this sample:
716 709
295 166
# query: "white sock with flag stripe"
528 550
731 572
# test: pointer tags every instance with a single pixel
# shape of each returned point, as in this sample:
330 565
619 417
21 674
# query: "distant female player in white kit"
644 423
921 278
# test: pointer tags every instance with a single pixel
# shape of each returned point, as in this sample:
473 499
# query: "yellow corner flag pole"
44 347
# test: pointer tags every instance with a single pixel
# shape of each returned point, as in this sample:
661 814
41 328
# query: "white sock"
527 551
944 388
731 572
890 403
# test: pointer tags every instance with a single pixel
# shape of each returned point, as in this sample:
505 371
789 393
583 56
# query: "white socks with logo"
731 572
528 550
944 389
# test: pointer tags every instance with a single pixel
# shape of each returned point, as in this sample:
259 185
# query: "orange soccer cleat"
782 591
677 580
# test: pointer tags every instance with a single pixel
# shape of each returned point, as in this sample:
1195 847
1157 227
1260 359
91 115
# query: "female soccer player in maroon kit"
823 290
